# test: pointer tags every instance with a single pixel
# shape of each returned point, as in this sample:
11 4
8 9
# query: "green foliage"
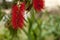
1 14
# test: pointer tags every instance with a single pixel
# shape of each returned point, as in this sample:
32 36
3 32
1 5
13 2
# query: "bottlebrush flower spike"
38 5
18 15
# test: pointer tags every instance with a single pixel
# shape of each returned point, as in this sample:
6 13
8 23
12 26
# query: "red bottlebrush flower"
38 5
18 15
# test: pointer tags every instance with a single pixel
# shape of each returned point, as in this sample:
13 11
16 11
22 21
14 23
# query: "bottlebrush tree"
36 26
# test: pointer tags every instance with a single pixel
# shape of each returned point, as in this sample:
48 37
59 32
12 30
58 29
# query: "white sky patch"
52 3
9 0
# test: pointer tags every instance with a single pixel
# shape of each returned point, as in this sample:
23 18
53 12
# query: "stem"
40 38
25 32
39 26
29 37
28 34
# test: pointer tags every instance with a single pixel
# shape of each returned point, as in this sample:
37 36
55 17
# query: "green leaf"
1 14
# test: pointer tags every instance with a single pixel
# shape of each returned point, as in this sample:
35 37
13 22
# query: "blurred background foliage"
38 26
